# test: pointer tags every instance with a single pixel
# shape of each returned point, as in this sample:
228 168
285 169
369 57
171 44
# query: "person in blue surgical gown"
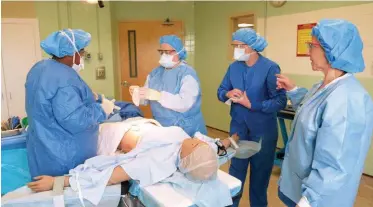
62 110
250 83
173 89
332 128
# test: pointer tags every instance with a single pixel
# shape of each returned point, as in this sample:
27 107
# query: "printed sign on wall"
304 37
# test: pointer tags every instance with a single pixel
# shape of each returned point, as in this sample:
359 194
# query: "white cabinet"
20 50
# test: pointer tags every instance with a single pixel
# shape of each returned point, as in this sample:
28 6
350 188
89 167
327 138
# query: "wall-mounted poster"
304 37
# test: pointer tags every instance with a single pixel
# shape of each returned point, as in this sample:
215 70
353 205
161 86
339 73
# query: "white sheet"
157 195
24 197
164 195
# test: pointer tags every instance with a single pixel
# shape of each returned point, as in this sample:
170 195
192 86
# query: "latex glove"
135 93
284 82
149 94
244 101
107 106
303 202
115 106
132 88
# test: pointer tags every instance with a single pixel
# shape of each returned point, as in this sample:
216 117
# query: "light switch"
100 56
100 73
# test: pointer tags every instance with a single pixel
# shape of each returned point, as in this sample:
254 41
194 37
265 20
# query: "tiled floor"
364 198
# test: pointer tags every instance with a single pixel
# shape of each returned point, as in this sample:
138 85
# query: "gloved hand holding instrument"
108 105
149 94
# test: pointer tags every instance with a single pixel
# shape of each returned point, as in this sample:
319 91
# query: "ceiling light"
92 1
245 25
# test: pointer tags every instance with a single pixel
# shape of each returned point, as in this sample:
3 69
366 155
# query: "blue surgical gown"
330 139
171 81
259 122
63 119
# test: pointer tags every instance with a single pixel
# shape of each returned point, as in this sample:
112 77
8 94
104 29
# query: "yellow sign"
304 37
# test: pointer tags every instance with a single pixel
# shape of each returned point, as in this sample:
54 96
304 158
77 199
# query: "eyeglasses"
311 45
167 52
238 45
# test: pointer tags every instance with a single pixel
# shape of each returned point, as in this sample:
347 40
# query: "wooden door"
138 45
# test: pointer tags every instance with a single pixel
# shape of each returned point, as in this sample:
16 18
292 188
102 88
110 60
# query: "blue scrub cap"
342 44
176 43
251 38
58 44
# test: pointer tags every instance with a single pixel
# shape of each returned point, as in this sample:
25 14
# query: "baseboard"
370 176
217 129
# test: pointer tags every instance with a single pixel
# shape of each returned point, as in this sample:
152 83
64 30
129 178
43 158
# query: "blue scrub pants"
261 163
287 201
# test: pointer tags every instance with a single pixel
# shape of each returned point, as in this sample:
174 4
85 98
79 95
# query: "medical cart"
287 113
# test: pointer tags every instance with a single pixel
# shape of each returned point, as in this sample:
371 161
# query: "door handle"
125 84
10 96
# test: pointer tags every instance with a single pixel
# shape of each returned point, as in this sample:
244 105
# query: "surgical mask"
79 67
166 60
240 55
76 67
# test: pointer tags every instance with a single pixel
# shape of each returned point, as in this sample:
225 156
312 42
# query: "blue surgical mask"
240 55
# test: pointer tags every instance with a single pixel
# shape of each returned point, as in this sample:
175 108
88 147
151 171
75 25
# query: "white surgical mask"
79 67
76 67
166 60
240 55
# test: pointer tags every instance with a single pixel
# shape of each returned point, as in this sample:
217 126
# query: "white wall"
282 34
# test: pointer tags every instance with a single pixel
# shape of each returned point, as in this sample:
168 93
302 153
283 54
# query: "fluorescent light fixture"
245 25
92 1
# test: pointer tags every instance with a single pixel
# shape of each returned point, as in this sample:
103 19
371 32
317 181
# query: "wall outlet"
100 73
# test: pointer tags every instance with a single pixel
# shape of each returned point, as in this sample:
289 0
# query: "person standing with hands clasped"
250 83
